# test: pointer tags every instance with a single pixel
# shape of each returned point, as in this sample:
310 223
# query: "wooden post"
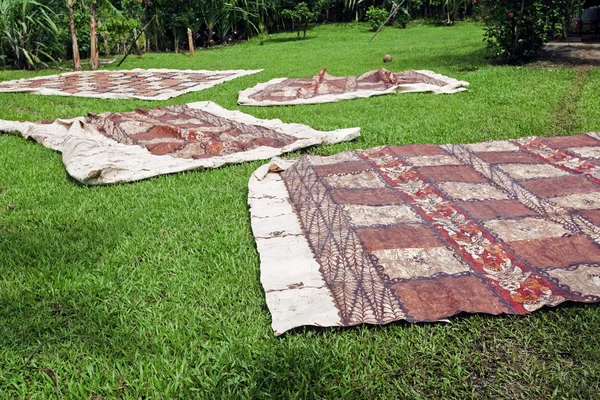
191 42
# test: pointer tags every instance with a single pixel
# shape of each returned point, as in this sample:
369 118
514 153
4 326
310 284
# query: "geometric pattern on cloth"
129 146
150 84
325 88
184 132
423 232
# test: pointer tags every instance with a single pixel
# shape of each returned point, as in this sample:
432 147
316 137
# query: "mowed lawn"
151 289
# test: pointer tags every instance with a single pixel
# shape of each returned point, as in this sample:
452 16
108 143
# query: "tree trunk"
2 52
515 43
76 59
191 42
94 57
106 47
137 45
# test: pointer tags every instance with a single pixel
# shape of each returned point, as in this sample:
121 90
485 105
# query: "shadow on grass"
462 62
289 39
554 312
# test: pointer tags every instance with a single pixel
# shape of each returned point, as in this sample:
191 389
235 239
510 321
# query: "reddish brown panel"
557 252
488 209
452 173
398 237
367 197
341 168
268 142
411 150
551 187
430 300
158 131
572 141
592 215
169 82
500 157
163 148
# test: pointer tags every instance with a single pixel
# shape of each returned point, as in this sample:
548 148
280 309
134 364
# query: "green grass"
151 289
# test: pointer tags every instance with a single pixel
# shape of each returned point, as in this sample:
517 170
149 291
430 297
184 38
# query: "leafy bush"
376 16
402 18
516 30
300 15
28 33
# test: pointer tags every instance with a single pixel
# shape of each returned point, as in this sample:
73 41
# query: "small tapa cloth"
423 232
142 84
129 146
326 88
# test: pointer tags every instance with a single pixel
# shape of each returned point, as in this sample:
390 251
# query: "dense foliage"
34 32
377 16
517 29
29 33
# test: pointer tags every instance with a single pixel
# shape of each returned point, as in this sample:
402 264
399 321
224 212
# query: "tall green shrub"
28 32
517 29
376 17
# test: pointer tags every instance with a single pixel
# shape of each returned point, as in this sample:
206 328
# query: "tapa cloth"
129 146
423 232
143 84
326 88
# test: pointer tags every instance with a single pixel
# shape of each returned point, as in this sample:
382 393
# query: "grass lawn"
151 289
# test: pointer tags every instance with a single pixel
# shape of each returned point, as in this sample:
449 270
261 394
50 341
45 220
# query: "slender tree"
94 56
76 58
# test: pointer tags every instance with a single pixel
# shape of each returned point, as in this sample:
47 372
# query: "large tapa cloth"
143 84
423 232
129 146
326 88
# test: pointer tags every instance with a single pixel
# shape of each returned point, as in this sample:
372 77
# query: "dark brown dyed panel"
572 141
366 197
592 215
557 252
341 168
430 300
488 209
411 150
501 157
452 173
550 187
399 236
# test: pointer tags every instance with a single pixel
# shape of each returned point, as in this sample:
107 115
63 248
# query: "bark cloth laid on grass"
423 232
129 146
325 88
143 84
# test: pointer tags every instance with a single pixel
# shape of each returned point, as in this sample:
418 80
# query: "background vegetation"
34 32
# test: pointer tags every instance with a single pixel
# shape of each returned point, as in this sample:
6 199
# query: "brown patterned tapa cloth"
129 146
423 232
326 88
144 84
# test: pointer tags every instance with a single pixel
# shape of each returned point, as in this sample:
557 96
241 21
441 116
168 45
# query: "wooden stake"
191 42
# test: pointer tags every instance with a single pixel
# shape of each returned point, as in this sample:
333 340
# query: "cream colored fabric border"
453 86
295 291
94 159
165 96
